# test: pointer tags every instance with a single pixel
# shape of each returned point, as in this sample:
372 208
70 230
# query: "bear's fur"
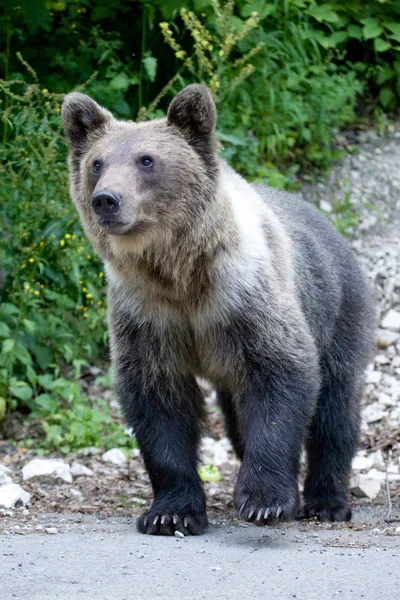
241 284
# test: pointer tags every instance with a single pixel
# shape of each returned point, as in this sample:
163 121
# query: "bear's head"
135 182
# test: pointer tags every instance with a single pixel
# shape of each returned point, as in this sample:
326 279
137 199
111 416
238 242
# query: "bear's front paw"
166 516
325 508
262 501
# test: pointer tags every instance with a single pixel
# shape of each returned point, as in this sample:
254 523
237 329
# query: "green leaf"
384 75
393 27
3 408
371 29
150 65
4 330
46 402
209 473
386 96
21 390
8 309
120 82
30 326
22 354
355 32
323 14
43 355
8 346
381 45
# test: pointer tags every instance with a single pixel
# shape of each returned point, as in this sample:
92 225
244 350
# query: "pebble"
78 469
391 320
13 494
362 463
364 486
4 478
47 469
51 530
179 534
114 456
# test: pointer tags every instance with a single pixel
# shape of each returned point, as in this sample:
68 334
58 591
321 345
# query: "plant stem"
142 53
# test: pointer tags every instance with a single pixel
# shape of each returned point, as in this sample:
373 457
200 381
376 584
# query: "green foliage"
286 77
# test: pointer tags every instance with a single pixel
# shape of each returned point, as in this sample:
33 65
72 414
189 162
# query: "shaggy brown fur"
241 284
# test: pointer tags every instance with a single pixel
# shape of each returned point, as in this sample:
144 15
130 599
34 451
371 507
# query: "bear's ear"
193 112
81 116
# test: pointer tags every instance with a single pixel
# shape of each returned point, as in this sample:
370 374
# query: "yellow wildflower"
45 91
62 243
89 296
31 260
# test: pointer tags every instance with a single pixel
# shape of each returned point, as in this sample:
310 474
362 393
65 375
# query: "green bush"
286 77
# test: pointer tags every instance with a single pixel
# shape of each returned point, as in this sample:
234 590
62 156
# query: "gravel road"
107 560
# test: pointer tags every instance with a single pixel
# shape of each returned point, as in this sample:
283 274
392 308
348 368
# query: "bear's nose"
106 203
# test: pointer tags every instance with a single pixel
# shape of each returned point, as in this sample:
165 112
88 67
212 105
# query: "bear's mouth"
120 228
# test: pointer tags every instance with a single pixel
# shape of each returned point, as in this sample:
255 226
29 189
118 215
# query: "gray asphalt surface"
108 560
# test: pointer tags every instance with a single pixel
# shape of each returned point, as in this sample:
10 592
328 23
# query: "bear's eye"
96 165
147 162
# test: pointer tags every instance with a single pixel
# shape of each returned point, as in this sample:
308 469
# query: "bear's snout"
106 203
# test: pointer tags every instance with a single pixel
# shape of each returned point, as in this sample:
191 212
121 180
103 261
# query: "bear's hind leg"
225 401
331 445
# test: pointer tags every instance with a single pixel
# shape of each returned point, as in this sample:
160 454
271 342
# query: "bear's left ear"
193 112
81 116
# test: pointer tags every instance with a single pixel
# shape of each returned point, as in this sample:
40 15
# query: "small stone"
361 463
179 534
4 479
51 530
48 470
387 400
135 453
391 320
398 530
362 485
377 458
13 494
386 338
4 469
382 359
373 413
75 493
325 206
78 469
115 456
373 377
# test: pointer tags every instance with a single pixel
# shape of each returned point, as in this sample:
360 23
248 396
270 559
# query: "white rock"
391 320
51 530
372 413
377 458
387 400
75 493
12 494
4 479
385 338
382 359
216 452
49 469
373 377
79 469
377 475
325 206
114 456
4 469
363 486
361 463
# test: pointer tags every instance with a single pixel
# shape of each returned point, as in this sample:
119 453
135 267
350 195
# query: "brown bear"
244 285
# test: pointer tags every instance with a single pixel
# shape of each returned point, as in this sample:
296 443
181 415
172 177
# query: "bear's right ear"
81 116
